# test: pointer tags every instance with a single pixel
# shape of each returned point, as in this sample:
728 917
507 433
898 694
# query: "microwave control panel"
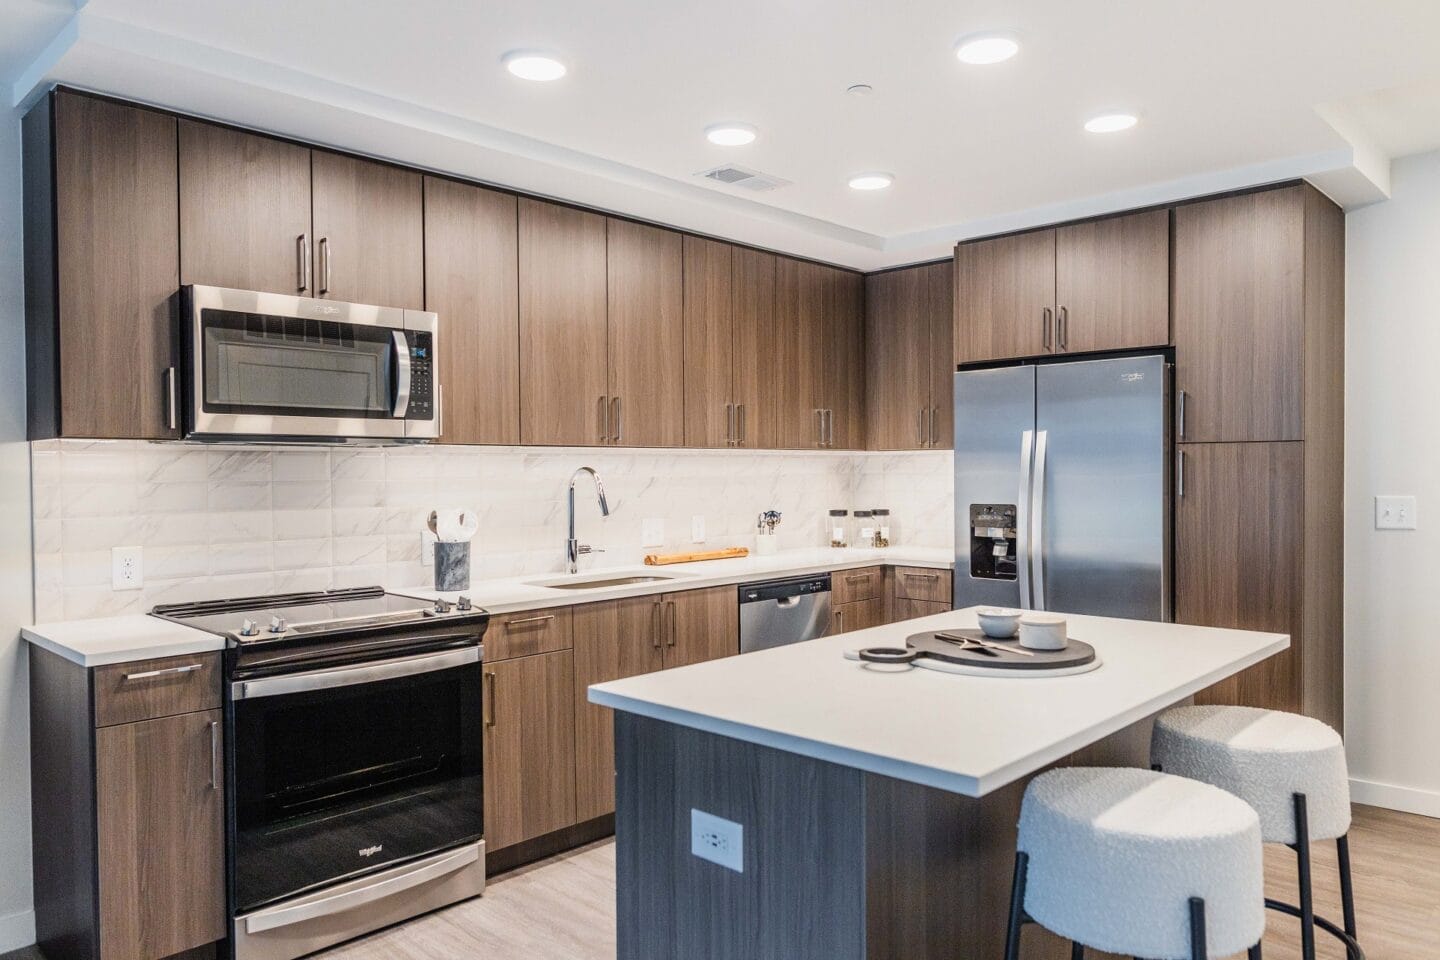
422 375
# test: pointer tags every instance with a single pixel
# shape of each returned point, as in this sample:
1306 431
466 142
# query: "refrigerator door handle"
1037 522
1022 520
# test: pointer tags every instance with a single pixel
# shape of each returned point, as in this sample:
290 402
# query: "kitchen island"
877 806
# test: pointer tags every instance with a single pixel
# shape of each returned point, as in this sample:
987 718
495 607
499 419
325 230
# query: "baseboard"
1388 795
17 930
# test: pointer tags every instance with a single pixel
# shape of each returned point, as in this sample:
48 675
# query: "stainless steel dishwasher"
776 612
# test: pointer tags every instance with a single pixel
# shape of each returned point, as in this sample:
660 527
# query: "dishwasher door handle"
787 603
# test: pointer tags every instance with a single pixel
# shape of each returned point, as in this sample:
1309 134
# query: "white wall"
17 922
1392 412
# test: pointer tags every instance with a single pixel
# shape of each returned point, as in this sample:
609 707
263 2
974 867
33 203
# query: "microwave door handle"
402 374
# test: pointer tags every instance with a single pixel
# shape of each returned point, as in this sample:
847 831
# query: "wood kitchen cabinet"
564 336
818 356
907 609
471 284
1083 287
646 322
244 211
101 269
624 638
909 326
529 747
842 359
729 320
369 231
127 807
857 615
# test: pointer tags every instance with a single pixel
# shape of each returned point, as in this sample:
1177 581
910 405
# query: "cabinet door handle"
922 576
839 620
166 672
819 428
172 405
214 755
1180 473
829 428
856 578
490 698
619 419
933 438
1062 329
1180 414
1045 328
670 633
604 419
730 424
324 265
302 261
740 415
523 620
655 624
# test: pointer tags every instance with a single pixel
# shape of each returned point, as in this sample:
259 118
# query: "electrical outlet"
127 568
1395 513
652 533
717 840
427 548
697 529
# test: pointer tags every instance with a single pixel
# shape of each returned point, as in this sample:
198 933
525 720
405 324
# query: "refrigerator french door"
1062 487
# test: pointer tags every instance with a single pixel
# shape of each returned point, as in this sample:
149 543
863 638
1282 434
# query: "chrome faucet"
574 549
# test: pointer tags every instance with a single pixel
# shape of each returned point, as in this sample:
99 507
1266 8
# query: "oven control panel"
422 375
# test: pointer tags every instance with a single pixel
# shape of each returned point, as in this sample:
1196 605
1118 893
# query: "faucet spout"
573 548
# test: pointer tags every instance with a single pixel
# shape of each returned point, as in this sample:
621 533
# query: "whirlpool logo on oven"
370 851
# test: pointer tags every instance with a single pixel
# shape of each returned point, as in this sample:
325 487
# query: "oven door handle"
402 374
350 899
349 676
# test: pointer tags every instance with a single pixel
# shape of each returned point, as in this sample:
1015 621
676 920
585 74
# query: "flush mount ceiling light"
871 181
981 49
730 134
1111 122
533 65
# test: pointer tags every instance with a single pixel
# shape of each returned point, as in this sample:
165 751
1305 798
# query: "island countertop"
967 735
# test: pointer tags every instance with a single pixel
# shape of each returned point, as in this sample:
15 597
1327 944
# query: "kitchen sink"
597 583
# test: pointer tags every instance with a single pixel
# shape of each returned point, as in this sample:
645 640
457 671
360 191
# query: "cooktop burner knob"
441 606
249 628
463 603
278 625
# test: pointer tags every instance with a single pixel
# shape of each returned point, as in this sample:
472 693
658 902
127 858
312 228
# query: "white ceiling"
1227 91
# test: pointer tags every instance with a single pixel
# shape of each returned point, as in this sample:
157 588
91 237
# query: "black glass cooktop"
262 619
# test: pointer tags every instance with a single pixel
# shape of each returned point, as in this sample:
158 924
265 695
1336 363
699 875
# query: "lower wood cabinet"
529 745
905 609
847 586
857 615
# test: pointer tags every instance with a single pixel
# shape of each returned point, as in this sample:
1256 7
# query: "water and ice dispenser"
992 541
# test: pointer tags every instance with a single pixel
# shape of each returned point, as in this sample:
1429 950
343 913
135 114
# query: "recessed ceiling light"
730 134
1111 122
860 89
533 65
986 48
871 181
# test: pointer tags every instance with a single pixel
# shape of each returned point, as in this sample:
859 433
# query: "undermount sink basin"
596 583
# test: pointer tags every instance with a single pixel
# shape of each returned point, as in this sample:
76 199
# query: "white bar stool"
1292 770
1139 863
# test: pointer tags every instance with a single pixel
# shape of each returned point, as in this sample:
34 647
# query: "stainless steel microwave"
270 366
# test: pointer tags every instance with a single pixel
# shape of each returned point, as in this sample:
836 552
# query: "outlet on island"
718 840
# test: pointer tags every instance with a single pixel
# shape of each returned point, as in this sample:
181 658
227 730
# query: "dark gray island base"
840 863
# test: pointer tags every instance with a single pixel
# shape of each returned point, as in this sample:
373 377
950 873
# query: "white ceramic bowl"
1043 631
998 622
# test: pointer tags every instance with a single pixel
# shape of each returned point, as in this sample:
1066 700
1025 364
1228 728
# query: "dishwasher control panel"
780 589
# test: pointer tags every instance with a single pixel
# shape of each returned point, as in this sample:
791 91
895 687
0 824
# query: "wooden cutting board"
729 553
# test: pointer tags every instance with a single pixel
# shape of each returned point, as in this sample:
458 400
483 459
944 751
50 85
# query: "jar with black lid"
837 528
882 527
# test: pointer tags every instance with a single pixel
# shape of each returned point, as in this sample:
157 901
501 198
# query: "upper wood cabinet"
842 359
647 334
529 746
909 324
369 231
564 337
1098 285
101 269
817 357
244 211
471 283
1258 285
753 314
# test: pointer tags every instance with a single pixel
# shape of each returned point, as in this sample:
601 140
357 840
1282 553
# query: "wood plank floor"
564 908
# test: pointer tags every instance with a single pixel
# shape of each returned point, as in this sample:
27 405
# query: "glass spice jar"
836 528
882 528
864 528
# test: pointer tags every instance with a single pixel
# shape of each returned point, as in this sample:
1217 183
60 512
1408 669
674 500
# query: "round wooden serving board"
1077 653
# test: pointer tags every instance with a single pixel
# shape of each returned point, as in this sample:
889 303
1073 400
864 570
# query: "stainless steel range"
354 751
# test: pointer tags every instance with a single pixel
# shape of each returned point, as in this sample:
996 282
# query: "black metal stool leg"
1307 891
1254 953
1077 951
1017 907
1347 887
1198 949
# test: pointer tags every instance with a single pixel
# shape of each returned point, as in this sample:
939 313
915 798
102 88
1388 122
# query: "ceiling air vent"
741 177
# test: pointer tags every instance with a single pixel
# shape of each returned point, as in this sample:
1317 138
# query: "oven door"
271 365
347 771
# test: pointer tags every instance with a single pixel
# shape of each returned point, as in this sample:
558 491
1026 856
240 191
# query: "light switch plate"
652 533
717 840
697 529
1395 513
127 568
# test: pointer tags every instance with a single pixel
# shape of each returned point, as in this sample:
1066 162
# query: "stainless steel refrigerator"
1062 487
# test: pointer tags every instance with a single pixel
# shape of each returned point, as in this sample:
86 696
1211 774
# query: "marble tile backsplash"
232 521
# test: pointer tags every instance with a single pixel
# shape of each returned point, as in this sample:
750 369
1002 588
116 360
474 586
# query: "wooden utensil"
661 559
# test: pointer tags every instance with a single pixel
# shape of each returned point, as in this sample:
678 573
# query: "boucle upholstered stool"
1139 863
1291 769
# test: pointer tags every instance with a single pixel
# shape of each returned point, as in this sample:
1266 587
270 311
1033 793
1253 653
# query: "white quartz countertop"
103 640
99 641
966 735
522 593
